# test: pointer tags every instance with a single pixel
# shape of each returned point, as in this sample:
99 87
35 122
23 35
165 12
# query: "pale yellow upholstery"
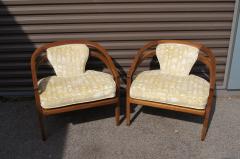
68 60
62 91
72 85
176 59
188 91
172 84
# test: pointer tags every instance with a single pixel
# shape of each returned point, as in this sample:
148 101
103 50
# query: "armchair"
172 87
73 88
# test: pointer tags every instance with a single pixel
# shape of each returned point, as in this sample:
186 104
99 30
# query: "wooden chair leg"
117 113
206 118
205 127
128 113
42 128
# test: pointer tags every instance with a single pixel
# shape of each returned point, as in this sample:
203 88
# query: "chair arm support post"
210 62
34 66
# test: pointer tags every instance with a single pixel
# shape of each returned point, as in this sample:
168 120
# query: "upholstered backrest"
176 59
68 60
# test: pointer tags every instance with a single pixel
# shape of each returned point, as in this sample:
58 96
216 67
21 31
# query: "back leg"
128 112
206 118
117 113
205 127
42 128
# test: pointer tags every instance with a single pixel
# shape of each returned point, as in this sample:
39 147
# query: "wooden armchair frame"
208 59
98 52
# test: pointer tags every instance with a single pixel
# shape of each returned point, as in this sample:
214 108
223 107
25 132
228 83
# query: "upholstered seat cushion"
187 91
62 91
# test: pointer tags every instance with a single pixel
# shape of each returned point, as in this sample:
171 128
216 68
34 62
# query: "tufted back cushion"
176 59
68 60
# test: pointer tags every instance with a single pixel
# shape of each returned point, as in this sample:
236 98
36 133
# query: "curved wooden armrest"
141 55
137 60
210 62
34 65
109 63
104 57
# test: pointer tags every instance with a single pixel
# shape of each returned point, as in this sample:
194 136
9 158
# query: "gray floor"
92 133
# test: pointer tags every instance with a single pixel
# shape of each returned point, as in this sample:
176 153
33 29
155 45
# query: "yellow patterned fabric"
68 60
62 91
176 59
187 91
